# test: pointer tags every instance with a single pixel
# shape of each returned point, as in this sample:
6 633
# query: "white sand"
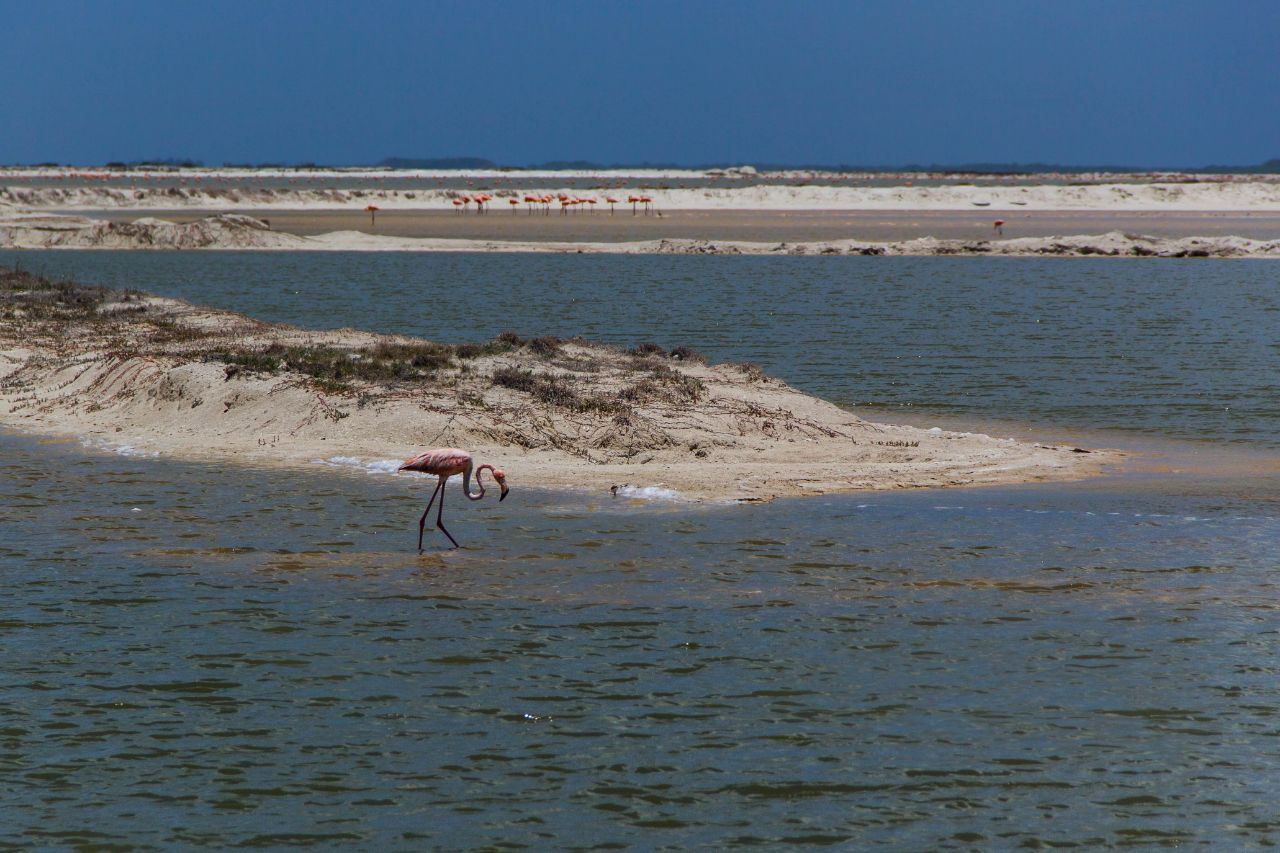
1216 196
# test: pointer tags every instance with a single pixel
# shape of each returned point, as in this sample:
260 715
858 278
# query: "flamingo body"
444 463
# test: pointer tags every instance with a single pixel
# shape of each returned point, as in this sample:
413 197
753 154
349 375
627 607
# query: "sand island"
128 370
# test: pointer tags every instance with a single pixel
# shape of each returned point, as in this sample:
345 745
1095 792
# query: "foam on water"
118 449
370 466
650 493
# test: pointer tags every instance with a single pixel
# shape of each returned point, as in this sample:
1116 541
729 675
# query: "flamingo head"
500 477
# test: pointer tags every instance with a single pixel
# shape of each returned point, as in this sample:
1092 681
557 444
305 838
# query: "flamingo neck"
466 482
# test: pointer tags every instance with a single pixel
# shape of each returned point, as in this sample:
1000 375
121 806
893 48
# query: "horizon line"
463 163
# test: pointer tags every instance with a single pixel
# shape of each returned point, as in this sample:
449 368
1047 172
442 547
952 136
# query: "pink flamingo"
612 201
999 226
444 463
513 202
373 213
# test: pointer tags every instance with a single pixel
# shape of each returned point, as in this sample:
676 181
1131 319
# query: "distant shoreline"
638 212
411 167
86 193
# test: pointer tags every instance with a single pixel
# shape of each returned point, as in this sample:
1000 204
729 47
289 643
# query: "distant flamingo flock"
542 203
462 203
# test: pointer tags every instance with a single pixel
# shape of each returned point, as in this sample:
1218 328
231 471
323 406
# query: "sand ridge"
226 230
239 231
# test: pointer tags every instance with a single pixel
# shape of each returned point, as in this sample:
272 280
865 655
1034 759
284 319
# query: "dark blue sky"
1140 82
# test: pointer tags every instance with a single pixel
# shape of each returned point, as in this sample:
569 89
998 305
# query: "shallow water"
198 656
1183 348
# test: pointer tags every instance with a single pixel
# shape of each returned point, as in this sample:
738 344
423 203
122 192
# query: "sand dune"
225 231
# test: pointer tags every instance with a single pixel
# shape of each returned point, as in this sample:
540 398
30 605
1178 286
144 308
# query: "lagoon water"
204 656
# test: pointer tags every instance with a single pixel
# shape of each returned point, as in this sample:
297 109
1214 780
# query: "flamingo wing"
442 461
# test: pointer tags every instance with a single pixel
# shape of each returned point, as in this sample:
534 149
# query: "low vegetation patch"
467 352
553 390
24 296
165 332
683 353
664 385
383 362
424 355
545 346
646 349
510 338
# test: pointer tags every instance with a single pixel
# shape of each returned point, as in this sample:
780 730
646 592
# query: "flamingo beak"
502 497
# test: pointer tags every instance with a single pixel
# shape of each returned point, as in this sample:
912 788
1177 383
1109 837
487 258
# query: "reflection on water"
1169 347
200 656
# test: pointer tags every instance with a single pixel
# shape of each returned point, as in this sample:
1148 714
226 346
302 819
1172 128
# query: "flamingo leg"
440 520
422 522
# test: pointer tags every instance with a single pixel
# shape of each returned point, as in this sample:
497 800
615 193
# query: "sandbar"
755 226
153 376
